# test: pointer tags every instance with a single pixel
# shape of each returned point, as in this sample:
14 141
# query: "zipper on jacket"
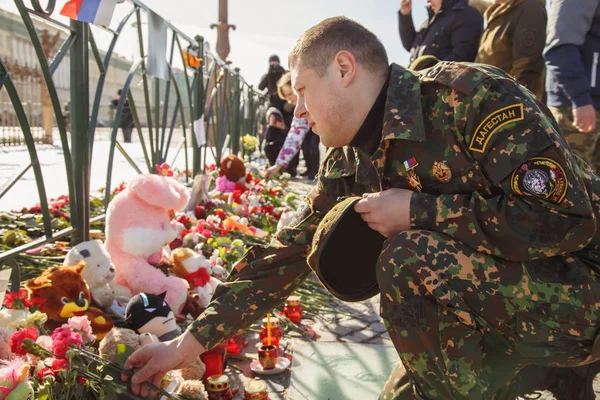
594 68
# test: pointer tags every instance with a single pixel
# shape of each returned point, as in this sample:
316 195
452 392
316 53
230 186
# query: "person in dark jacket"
275 138
126 123
513 41
269 82
572 55
451 33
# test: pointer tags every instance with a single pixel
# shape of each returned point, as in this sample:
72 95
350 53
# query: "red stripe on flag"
71 8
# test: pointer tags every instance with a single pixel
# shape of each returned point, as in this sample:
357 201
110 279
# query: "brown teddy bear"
232 172
233 168
189 378
65 294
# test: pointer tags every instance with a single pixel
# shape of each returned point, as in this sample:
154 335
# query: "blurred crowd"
553 51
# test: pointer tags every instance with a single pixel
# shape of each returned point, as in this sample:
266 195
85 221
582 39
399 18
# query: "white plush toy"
99 272
197 270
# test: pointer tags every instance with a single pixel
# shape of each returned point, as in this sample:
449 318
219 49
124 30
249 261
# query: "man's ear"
345 63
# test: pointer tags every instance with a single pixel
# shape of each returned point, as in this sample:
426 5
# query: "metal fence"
165 113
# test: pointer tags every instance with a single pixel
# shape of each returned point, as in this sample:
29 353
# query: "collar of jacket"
449 5
403 117
402 120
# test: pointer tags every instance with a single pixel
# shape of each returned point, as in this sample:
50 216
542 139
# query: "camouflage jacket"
494 173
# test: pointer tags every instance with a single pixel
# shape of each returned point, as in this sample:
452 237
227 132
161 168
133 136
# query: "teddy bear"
188 378
198 271
232 172
100 273
138 226
65 294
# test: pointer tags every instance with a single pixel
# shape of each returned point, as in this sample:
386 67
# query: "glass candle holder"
293 309
275 332
214 360
267 356
217 387
256 390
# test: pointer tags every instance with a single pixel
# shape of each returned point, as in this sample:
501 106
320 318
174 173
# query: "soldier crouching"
452 192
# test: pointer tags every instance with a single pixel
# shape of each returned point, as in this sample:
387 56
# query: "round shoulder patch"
540 177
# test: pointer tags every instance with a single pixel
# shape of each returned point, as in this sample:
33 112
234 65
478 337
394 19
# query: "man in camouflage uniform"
491 258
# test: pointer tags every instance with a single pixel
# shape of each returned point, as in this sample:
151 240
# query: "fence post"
198 96
235 111
80 146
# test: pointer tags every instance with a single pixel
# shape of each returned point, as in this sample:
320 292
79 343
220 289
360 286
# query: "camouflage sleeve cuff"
423 211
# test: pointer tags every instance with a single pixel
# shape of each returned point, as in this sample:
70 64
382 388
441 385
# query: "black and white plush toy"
149 313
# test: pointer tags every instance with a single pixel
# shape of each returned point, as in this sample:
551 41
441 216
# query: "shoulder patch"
540 177
492 123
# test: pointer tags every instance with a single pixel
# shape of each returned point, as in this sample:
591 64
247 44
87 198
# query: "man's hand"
387 212
153 361
272 171
405 7
584 118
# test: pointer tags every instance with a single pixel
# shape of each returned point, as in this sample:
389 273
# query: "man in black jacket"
451 33
269 82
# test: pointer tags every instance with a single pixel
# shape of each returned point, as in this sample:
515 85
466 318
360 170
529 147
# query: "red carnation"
249 177
199 212
60 364
184 220
63 338
16 300
221 214
175 244
44 373
17 339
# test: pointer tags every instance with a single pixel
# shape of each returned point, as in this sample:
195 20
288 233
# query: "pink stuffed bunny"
138 226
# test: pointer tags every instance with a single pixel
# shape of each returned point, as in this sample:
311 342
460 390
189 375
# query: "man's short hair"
317 47
286 79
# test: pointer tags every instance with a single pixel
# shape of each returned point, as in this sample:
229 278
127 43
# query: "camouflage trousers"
585 145
464 322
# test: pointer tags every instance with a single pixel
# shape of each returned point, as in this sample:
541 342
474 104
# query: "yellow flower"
37 318
249 143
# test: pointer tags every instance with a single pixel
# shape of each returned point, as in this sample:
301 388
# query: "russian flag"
97 12
410 163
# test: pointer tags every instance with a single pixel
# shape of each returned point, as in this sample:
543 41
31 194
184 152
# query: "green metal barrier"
214 91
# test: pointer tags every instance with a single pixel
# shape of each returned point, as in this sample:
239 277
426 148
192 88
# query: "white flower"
13 319
192 216
214 219
45 342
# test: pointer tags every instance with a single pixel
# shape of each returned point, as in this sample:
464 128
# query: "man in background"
514 41
572 51
451 33
269 82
